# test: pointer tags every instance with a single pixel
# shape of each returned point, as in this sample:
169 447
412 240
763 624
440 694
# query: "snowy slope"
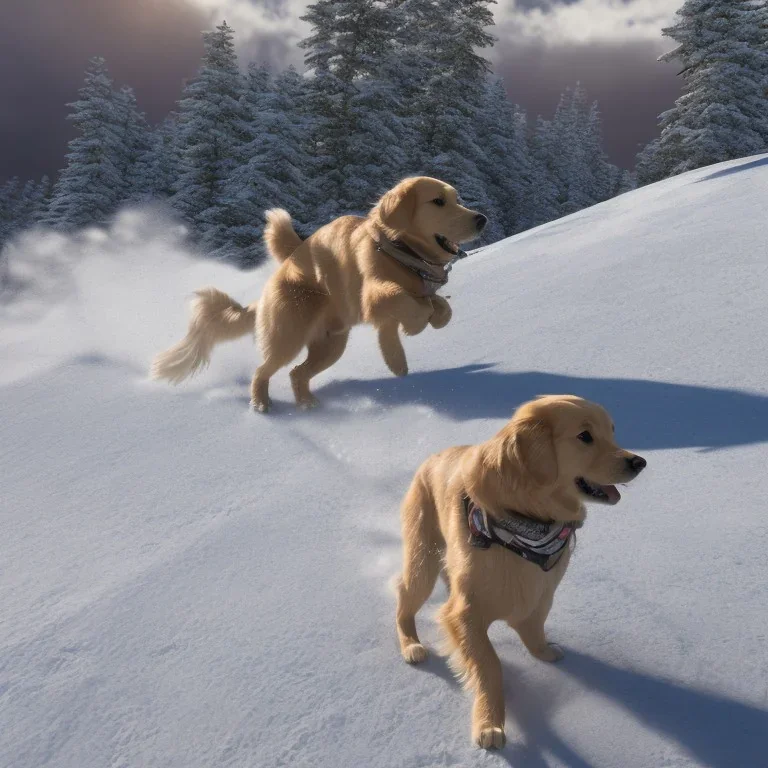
187 584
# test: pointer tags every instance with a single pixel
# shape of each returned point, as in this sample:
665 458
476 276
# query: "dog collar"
534 540
433 276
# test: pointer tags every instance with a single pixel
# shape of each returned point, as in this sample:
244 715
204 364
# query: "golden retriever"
348 272
556 454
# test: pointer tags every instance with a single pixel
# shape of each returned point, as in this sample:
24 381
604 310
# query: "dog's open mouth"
447 245
605 494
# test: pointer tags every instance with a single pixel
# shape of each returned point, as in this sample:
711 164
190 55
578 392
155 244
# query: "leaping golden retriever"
383 269
499 520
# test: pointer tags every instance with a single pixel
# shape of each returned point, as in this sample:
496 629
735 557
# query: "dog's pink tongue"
612 493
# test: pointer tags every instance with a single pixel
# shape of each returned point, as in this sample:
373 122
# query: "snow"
185 583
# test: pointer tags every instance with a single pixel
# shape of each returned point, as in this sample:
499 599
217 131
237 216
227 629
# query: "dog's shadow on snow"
717 731
649 414
720 732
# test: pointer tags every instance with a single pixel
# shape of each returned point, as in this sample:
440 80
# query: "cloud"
584 21
265 30
553 21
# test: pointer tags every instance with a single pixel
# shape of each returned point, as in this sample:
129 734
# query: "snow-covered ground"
185 583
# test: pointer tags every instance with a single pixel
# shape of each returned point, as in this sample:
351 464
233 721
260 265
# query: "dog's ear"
398 207
532 447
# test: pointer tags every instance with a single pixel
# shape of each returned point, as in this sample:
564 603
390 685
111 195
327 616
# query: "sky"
610 46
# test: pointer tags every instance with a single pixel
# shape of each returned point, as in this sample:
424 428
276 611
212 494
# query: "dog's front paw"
442 314
550 652
399 369
396 361
490 738
261 406
415 653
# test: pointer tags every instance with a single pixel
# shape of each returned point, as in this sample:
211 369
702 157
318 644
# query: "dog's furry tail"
216 317
279 235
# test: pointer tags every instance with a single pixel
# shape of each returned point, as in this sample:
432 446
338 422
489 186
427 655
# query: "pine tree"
723 112
503 162
273 160
289 153
250 188
442 40
359 141
134 138
605 179
10 199
209 116
570 168
162 160
543 202
24 216
39 202
91 185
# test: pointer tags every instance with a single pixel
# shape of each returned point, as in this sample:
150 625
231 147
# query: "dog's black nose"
637 464
480 221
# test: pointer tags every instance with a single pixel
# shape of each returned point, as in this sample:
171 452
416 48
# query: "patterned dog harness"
433 276
534 540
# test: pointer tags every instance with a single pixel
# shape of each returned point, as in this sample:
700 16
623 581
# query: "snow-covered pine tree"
10 202
605 178
32 203
41 200
209 115
134 146
274 164
289 152
24 217
567 162
162 159
543 201
649 164
249 189
443 40
723 112
578 164
503 161
91 185
359 141
570 168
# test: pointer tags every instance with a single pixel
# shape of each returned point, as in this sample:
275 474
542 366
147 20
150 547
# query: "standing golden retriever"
499 518
383 269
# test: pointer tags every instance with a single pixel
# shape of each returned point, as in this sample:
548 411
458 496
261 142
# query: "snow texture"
187 584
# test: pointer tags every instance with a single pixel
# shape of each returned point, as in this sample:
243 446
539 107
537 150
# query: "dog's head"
568 443
557 453
428 212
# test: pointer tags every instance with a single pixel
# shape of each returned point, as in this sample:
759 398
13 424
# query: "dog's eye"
439 202
585 437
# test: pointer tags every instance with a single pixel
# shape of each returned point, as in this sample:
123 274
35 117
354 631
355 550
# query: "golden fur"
328 283
530 466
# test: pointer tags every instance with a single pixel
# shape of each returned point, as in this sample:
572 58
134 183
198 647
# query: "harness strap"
534 540
433 275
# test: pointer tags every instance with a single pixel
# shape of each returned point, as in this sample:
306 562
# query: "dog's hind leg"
422 558
286 324
322 354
